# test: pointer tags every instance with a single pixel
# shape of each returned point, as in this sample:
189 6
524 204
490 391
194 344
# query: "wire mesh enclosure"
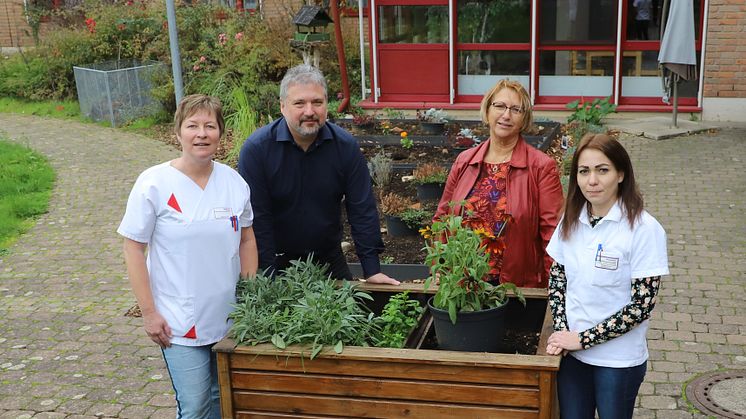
117 91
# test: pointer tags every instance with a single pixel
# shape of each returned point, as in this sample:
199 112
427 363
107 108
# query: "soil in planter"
521 342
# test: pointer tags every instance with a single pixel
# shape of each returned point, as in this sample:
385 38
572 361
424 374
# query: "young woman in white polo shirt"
609 257
194 216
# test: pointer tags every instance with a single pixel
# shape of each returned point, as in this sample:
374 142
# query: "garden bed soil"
409 250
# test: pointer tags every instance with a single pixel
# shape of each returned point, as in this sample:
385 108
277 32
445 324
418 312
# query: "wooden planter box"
263 381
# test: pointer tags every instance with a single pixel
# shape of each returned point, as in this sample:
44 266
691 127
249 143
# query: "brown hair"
190 105
628 192
517 87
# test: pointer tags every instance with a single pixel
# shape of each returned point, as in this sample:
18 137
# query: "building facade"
447 53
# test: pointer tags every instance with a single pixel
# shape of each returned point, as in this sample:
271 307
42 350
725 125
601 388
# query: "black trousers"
335 259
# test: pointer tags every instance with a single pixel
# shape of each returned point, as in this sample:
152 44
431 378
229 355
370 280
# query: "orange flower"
404 134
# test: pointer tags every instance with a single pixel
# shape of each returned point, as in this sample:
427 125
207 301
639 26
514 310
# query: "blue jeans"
583 388
194 375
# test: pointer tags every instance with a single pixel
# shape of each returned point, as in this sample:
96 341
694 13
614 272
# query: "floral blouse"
485 211
644 292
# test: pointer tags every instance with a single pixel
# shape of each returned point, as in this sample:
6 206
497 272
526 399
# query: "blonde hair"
518 88
190 105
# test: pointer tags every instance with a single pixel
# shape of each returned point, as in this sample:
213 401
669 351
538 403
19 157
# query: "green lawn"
59 109
26 181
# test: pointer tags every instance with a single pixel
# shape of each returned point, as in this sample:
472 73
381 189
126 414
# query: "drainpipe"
340 56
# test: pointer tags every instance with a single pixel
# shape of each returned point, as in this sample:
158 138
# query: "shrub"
381 168
393 204
430 173
590 113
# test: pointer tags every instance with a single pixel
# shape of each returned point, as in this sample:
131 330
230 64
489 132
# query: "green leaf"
278 341
338 347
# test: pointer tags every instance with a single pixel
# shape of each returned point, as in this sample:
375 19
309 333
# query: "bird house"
311 23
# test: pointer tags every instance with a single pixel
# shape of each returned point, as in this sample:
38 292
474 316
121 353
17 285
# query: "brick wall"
13 24
725 55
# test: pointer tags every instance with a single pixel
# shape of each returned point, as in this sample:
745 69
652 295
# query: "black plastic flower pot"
476 331
428 192
398 228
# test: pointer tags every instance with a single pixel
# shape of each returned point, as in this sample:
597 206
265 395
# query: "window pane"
578 21
493 21
509 63
413 24
636 22
478 71
576 73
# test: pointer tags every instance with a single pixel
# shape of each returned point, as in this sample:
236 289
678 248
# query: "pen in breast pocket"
598 252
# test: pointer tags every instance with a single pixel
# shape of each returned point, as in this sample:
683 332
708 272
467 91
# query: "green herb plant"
458 259
400 315
590 113
301 305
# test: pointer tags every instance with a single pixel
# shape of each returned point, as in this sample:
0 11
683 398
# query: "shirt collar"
283 133
614 214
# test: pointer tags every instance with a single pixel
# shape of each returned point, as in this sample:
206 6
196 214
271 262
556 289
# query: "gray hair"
302 74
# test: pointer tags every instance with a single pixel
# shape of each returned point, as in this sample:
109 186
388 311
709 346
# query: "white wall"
723 109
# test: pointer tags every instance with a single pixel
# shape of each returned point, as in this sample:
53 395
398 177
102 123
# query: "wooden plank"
226 403
547 390
377 369
253 414
425 356
419 287
547 328
400 390
349 407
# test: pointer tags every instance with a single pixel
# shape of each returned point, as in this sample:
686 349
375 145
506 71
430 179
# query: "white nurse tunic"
193 237
600 263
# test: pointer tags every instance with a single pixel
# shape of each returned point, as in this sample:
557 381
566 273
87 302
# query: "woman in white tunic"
194 217
609 256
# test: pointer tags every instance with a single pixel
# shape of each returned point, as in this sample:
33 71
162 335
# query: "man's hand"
567 340
382 278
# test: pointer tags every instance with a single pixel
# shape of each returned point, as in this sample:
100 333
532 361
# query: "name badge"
607 262
222 213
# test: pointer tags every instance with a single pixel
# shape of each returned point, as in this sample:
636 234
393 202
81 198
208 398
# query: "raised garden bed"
263 381
433 148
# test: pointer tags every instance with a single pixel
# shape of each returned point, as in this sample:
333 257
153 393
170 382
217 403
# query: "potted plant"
429 180
403 217
432 121
468 312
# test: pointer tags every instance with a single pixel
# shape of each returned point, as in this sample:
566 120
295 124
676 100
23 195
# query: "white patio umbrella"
678 55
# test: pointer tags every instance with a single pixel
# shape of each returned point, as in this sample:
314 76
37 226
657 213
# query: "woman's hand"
563 340
157 329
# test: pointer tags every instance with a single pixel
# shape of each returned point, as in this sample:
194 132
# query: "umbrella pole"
675 98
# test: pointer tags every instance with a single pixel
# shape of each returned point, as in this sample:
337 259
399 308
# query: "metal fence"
117 91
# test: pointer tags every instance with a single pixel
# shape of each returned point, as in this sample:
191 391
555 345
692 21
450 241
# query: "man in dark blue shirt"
301 169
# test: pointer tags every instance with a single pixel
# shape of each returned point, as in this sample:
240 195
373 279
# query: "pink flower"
222 39
239 36
196 67
202 59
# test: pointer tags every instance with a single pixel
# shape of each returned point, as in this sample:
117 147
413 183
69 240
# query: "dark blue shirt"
297 195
